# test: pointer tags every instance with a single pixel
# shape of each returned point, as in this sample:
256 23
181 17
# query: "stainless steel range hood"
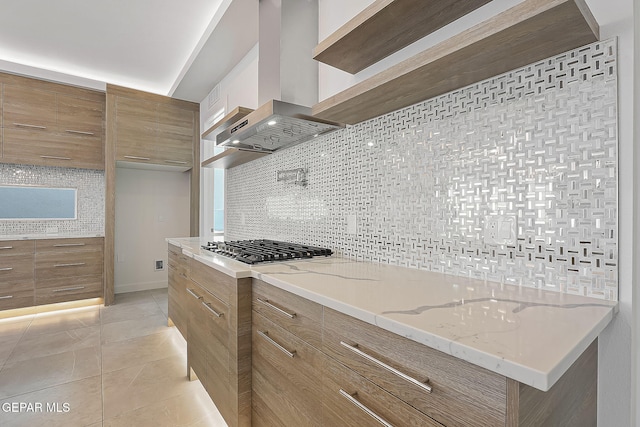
275 125
287 80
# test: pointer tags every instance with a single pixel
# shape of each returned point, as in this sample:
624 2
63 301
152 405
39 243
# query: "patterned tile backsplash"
89 183
538 144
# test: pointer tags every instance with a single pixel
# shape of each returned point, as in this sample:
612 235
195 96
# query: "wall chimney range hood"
275 125
287 81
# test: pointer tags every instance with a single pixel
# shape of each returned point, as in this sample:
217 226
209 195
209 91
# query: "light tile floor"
100 367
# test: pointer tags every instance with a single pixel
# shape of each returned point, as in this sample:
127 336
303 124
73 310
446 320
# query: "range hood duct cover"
287 76
275 125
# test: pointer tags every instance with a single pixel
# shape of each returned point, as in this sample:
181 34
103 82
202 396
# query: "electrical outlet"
352 227
159 265
500 229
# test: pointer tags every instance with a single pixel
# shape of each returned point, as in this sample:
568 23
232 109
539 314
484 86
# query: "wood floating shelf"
385 27
232 157
235 115
528 32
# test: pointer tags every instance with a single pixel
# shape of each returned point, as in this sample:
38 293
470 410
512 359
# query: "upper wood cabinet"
528 32
51 124
26 107
385 27
135 129
175 131
155 131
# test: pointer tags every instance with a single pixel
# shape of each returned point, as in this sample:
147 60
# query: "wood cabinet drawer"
66 289
462 393
285 377
217 283
16 271
212 311
70 245
16 299
14 247
208 343
56 265
178 261
297 315
177 303
351 400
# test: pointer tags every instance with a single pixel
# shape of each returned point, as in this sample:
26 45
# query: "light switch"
352 227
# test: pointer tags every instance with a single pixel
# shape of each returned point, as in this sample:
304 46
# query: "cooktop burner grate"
255 251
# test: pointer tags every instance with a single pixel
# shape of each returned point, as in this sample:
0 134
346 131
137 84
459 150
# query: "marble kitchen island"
524 334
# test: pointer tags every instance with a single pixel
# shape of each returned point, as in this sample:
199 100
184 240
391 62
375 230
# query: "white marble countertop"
526 334
49 236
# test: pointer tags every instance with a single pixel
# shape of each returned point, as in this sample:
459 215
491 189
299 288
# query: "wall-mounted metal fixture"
295 176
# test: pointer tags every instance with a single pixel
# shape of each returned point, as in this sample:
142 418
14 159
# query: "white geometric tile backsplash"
89 183
538 143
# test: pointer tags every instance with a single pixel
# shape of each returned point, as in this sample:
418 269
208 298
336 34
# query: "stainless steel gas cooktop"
255 251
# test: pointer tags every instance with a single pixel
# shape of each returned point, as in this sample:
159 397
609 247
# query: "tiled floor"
100 366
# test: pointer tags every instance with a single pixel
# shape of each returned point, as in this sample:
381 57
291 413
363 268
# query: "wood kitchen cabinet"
448 390
286 362
208 345
39 272
350 399
68 269
218 332
16 274
154 133
178 280
51 124
370 376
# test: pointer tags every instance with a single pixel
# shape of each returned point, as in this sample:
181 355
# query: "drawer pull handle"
266 336
193 294
79 132
6 269
6 247
66 245
73 264
177 162
277 309
55 157
74 288
25 125
355 349
137 158
356 402
208 307
7 297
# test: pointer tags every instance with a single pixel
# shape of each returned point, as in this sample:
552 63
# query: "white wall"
150 206
239 88
618 377
615 363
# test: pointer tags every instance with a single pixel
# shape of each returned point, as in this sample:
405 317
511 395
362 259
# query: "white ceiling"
142 44
176 48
